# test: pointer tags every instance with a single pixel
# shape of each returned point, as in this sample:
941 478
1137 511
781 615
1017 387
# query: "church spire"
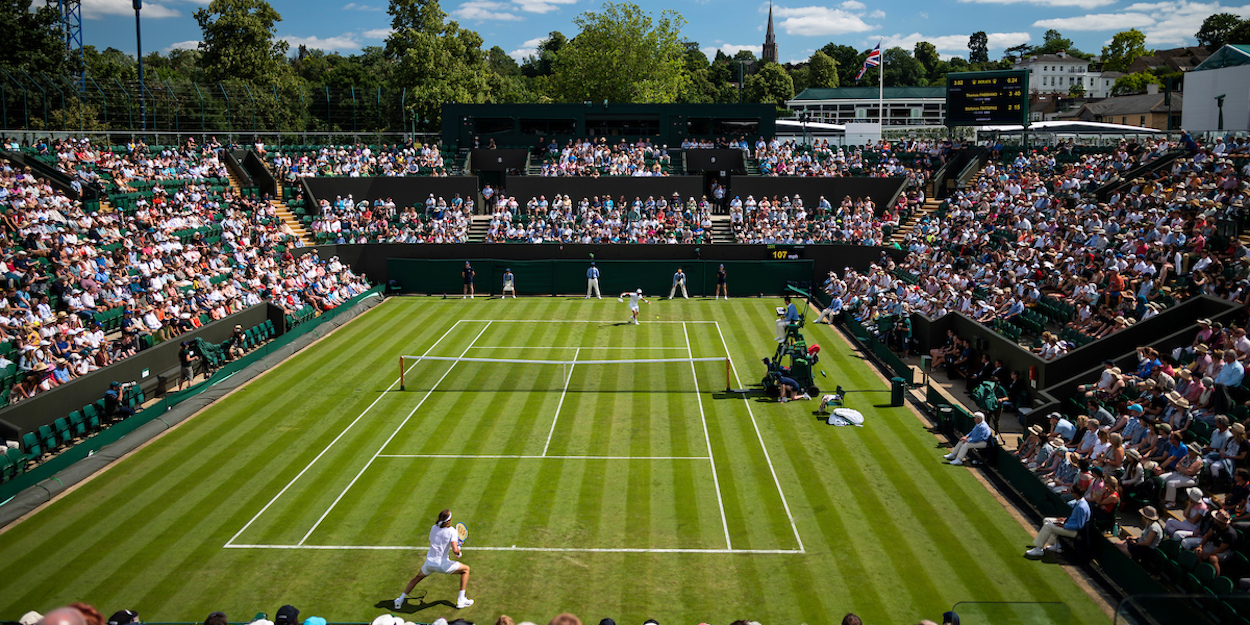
769 52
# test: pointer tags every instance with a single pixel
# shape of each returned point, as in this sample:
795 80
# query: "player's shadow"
412 606
617 324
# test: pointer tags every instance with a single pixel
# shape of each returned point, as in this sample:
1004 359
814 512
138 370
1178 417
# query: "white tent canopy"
792 125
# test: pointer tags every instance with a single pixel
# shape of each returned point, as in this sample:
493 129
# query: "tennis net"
630 375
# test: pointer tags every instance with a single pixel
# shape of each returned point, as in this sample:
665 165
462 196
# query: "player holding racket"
443 539
634 298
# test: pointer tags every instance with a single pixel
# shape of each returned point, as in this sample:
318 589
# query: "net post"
401 373
728 385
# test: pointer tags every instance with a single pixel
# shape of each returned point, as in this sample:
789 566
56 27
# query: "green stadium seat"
64 435
7 471
78 424
34 451
47 438
15 456
1221 586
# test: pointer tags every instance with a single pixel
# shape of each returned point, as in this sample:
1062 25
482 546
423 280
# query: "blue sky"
801 25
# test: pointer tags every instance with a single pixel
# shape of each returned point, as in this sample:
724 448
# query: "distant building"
1060 72
1175 59
1148 110
904 106
1225 73
770 39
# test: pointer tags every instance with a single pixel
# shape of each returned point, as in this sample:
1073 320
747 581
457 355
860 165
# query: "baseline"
760 436
524 457
336 439
515 548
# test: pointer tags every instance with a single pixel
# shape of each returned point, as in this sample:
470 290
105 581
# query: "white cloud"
344 42
1098 21
378 33
951 43
529 48
353 6
1084 4
818 20
731 49
182 45
98 9
541 6
1176 22
480 10
877 14
853 5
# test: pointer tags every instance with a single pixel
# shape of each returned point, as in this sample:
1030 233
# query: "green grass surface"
326 454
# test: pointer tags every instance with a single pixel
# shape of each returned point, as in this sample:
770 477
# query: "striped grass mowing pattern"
652 494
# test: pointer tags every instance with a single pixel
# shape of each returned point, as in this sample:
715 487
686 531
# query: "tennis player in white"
634 298
443 539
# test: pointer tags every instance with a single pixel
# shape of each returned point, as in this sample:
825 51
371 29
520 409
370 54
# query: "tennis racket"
462 532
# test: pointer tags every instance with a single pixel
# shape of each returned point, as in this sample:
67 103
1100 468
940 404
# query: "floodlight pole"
143 102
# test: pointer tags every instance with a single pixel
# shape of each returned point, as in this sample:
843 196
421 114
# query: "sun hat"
1149 513
1194 493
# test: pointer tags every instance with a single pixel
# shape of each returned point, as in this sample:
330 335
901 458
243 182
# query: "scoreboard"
987 98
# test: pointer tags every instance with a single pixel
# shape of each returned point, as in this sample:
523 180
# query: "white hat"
640 291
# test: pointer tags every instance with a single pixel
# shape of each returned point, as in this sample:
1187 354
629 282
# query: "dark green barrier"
879 349
568 277
63 460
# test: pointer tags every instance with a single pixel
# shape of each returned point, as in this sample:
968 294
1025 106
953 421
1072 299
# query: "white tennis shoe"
463 603
399 603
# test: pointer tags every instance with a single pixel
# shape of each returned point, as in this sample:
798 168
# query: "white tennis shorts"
633 308
446 567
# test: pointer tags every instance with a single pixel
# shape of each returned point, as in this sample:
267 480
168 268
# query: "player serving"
634 298
444 540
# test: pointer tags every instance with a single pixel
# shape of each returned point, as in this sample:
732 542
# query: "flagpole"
881 93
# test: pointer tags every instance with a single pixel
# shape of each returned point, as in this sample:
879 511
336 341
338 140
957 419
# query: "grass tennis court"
621 490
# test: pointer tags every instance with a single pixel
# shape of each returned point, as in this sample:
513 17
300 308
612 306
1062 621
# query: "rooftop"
871 93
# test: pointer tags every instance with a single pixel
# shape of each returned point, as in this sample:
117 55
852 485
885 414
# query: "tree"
927 54
1124 48
1133 83
978 48
1216 29
622 54
501 63
847 59
237 42
33 38
771 84
544 58
435 59
1018 52
1077 91
1053 42
901 70
822 71
1241 34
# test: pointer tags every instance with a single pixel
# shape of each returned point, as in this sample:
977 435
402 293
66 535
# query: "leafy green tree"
1124 48
1052 42
694 57
1077 91
237 42
622 54
1133 83
109 65
978 47
901 69
501 63
1241 34
1216 30
848 60
1015 53
771 84
544 57
927 54
32 38
822 71
435 59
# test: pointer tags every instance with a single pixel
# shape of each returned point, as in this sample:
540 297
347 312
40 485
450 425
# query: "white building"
1225 73
1059 72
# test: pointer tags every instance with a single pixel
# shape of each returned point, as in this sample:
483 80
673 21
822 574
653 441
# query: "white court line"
521 457
527 347
617 320
568 378
336 439
768 458
542 549
699 397
389 438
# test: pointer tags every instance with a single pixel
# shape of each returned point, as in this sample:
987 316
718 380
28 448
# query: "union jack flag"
873 60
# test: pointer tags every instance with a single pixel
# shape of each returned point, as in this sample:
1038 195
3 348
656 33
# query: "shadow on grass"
412 605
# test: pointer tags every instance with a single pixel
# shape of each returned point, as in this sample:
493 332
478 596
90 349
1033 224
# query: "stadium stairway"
721 230
284 213
930 205
478 227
